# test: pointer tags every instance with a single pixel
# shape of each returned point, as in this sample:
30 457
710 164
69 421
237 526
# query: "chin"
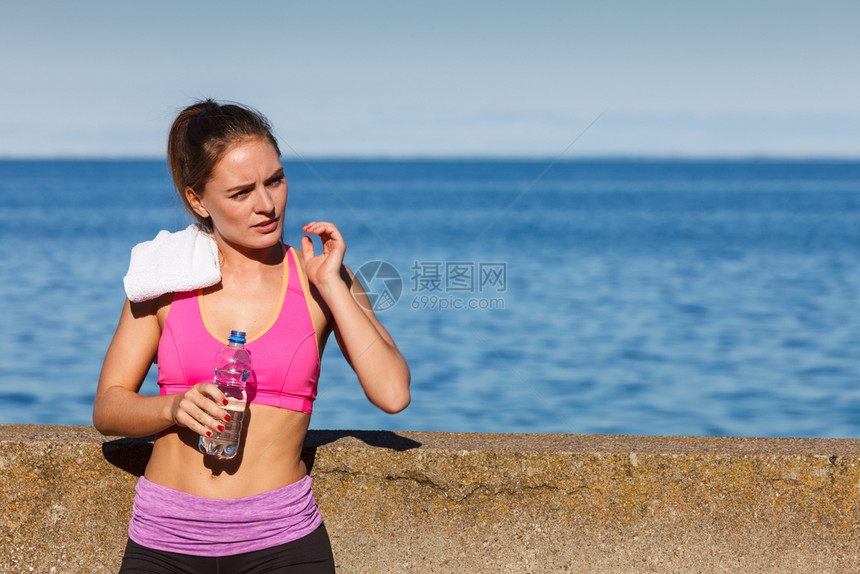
254 240
269 240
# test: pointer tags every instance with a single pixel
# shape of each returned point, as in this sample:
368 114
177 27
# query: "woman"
255 512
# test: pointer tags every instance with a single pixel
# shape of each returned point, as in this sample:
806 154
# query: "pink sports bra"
285 359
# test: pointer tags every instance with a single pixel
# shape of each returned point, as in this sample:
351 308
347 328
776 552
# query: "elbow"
398 397
99 421
396 404
101 418
100 426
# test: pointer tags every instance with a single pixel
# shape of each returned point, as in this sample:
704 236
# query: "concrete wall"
438 502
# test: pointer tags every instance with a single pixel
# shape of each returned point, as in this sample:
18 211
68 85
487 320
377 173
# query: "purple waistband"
174 521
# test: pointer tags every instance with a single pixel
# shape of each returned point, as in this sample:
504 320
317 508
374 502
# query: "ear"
195 203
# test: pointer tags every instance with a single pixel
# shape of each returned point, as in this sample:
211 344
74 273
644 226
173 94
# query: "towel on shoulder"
172 263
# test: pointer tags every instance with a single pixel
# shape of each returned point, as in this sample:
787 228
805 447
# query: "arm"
365 343
119 410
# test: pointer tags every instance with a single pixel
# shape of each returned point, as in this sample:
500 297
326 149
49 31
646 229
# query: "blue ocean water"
611 296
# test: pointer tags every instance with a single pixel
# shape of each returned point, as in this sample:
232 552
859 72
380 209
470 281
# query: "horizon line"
393 158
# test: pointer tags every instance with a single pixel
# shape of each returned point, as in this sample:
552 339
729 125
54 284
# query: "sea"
611 296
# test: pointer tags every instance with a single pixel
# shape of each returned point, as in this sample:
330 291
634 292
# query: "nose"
264 202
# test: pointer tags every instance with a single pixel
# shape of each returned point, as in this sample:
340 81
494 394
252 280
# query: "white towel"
172 263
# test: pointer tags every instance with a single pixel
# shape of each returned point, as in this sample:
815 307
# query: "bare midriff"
269 457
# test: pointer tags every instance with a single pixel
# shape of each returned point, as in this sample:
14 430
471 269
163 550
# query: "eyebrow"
277 173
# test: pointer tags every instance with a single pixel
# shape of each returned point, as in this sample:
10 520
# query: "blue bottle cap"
237 337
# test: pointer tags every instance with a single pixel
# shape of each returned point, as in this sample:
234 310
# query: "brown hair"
199 138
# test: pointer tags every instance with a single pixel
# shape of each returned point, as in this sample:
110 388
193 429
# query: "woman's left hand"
366 345
325 268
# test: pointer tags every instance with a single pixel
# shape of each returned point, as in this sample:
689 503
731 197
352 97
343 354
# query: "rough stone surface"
439 502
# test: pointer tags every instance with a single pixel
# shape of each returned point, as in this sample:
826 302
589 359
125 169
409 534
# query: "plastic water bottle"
232 369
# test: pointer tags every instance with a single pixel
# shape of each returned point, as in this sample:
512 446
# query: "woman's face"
246 195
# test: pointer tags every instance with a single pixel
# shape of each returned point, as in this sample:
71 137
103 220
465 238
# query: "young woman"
254 512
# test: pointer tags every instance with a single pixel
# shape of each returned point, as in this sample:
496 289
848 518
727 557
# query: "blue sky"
372 78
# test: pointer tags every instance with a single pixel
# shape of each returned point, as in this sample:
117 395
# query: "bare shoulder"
153 308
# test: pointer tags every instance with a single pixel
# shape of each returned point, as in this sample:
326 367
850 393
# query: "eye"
241 193
276 180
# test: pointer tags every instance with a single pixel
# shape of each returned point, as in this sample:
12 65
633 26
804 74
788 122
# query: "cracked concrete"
439 502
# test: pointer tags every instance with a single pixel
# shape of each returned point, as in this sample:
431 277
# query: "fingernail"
225 402
220 428
209 433
227 418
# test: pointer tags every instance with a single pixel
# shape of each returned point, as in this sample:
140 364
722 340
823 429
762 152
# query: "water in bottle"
232 369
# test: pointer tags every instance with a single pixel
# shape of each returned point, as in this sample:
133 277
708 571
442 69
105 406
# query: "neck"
234 256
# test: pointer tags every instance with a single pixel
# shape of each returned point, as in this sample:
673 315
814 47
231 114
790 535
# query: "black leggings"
308 555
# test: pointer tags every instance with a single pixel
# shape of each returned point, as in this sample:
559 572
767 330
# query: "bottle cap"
237 337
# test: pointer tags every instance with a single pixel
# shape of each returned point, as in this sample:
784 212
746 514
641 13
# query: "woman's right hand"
198 409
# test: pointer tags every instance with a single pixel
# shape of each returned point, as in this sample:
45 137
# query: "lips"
267 226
